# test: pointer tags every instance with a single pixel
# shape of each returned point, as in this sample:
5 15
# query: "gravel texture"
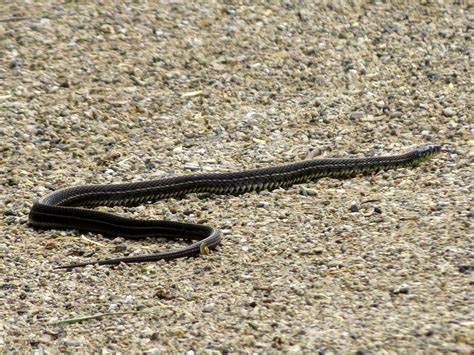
96 93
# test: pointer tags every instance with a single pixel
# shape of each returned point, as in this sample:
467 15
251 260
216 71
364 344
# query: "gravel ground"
109 93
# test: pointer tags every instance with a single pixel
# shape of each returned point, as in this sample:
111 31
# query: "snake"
72 207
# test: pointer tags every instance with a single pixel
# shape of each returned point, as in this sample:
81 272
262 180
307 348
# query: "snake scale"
64 208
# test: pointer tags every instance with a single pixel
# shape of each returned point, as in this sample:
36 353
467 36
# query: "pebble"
343 228
356 115
444 33
354 207
402 289
153 351
309 192
192 166
15 63
377 210
263 204
448 112
465 269
9 212
120 248
72 342
209 307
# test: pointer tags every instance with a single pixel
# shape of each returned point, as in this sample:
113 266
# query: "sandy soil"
96 93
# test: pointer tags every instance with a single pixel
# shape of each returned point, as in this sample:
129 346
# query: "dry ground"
95 93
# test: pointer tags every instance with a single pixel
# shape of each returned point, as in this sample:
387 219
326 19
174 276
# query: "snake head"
427 151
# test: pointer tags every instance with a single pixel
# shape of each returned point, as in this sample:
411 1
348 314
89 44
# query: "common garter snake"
60 209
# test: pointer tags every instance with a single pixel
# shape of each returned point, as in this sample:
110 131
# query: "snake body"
61 209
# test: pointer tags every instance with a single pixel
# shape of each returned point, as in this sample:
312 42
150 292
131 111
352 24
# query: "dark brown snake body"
62 208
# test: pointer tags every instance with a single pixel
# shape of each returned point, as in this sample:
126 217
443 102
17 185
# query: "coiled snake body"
60 209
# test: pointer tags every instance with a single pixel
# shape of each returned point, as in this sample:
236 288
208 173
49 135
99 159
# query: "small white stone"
448 112
209 307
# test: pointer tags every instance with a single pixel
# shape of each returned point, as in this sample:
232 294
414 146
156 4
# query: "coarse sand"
99 92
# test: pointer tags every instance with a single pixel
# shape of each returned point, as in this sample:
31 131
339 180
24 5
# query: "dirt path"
110 93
